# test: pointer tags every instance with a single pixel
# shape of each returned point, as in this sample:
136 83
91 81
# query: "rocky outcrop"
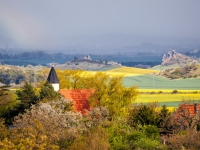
86 58
177 58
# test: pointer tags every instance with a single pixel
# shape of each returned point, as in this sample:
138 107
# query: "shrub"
94 139
189 140
160 92
174 92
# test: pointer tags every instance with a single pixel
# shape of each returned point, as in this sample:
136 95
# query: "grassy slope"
154 82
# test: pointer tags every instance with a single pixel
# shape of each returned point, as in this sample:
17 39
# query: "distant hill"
181 60
86 63
176 65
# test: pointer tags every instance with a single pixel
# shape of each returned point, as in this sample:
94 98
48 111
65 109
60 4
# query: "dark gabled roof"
52 78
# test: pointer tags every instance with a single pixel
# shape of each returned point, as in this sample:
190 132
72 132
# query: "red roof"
79 97
190 109
185 111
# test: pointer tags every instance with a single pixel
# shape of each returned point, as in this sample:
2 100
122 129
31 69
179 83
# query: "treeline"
33 55
18 75
43 119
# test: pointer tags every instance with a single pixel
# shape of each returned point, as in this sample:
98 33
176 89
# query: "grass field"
159 83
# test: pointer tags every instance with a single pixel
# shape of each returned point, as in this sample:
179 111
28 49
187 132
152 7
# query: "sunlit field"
130 71
171 100
167 97
147 82
125 71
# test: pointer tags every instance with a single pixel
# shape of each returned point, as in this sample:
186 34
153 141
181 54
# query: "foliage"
118 134
72 79
108 90
122 136
144 115
98 115
53 124
27 96
3 130
187 71
34 137
8 104
110 93
94 139
47 92
151 115
190 140
146 137
165 117
7 100
16 75
174 92
184 119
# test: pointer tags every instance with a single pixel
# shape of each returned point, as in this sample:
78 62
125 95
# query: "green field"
155 82
171 100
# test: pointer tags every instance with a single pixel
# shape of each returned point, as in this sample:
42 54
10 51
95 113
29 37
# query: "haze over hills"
113 43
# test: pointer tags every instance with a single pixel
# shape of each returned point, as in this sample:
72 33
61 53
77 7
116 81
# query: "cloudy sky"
51 24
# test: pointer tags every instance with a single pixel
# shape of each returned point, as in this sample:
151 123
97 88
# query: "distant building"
53 79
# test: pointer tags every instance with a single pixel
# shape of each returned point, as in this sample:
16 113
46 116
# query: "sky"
93 24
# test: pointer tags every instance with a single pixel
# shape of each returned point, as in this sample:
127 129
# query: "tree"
108 91
7 100
94 139
27 96
144 115
188 140
47 124
47 92
3 130
165 119
72 79
8 104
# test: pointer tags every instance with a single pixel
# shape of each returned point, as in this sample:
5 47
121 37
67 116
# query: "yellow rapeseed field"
167 97
125 71
130 71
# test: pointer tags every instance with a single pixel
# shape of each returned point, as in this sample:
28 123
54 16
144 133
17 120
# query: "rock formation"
177 58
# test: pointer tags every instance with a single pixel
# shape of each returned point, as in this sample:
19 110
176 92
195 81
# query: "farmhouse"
78 96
